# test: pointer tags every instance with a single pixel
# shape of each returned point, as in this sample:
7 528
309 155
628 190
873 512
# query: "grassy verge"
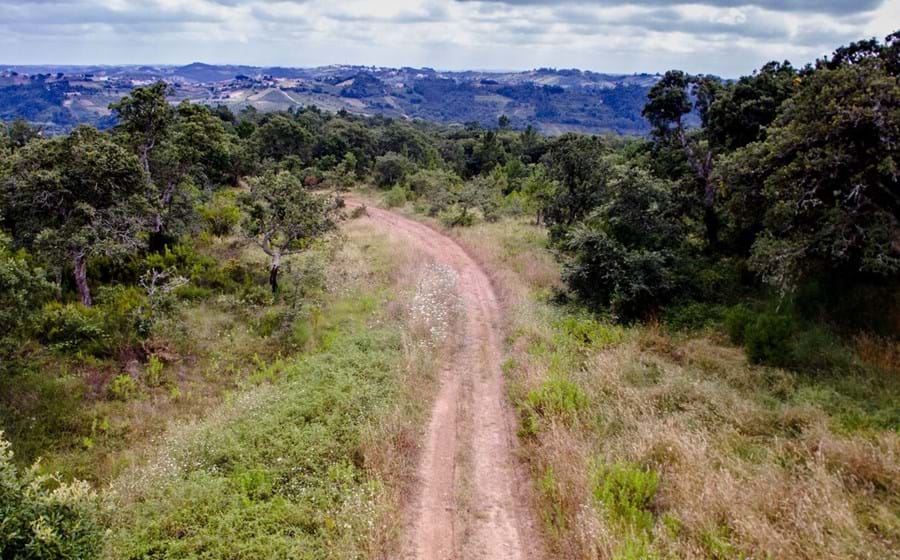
646 443
309 459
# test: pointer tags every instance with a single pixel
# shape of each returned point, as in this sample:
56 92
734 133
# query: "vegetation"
702 323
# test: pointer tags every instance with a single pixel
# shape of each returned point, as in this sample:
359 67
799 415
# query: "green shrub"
588 332
72 327
221 215
737 319
154 372
456 216
123 387
627 491
557 397
395 197
768 340
42 517
692 316
23 290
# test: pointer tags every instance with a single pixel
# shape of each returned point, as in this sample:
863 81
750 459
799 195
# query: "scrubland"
654 442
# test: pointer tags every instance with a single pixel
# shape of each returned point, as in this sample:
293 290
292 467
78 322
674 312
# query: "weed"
123 387
627 491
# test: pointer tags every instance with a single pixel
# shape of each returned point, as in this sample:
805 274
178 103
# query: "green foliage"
123 387
767 339
75 197
284 218
737 321
249 485
72 327
221 215
23 291
42 517
395 197
832 148
456 216
557 398
627 491
625 254
391 169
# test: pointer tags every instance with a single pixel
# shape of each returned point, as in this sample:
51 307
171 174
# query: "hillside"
552 101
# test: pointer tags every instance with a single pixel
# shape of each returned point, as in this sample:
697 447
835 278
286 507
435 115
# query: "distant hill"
553 101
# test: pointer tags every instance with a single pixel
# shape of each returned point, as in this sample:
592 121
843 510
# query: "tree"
145 119
74 197
391 169
23 290
581 167
830 177
668 105
538 190
742 111
626 255
283 218
177 148
281 136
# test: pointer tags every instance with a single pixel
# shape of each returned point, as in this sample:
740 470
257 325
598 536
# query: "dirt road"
471 497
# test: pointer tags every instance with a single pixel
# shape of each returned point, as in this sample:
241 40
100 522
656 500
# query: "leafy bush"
456 216
123 387
42 517
737 319
221 215
23 290
589 332
627 492
626 254
632 283
391 169
72 327
395 197
768 339
557 397
692 316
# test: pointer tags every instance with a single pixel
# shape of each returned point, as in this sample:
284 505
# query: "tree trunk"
273 273
81 282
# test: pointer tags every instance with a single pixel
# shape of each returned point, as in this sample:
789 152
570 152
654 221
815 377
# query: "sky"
724 37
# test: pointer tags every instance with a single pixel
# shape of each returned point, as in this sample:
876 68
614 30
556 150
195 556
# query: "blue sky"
726 37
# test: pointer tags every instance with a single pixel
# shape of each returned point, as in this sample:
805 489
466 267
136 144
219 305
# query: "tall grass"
646 444
312 458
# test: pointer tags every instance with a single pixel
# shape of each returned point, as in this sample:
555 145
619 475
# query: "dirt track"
470 498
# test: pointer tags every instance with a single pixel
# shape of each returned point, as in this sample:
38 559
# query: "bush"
395 197
221 215
391 169
557 397
768 340
23 290
42 517
632 283
627 492
123 387
72 327
737 319
692 316
456 216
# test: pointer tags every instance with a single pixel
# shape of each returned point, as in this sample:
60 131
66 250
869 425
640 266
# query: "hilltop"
554 101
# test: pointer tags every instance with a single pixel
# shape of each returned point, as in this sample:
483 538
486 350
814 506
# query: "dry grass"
746 468
421 296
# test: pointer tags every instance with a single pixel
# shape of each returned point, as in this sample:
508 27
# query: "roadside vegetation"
211 356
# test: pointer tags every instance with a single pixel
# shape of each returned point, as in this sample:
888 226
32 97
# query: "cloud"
835 7
728 37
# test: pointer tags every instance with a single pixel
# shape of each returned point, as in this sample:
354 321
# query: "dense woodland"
774 221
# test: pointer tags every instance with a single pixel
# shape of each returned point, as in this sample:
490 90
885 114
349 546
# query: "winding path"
471 496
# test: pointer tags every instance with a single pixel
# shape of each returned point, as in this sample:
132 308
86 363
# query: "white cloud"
727 37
